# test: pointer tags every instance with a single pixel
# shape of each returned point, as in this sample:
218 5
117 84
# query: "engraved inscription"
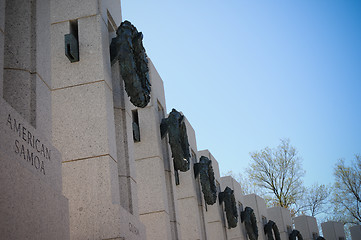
28 146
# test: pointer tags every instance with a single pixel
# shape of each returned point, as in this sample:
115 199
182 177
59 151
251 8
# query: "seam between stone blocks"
185 198
93 15
160 211
82 84
214 221
127 177
140 159
86 158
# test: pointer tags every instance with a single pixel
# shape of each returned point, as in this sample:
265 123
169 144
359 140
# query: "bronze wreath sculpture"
205 170
178 139
295 234
230 206
271 225
250 222
127 47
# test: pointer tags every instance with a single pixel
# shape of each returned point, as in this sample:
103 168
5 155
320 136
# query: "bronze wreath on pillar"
205 170
127 47
230 206
250 222
295 234
178 139
268 230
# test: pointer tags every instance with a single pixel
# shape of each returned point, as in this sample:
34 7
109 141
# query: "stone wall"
71 165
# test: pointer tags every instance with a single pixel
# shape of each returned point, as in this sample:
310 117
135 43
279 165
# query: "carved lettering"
26 142
37 162
24 134
16 129
30 139
9 122
17 146
30 157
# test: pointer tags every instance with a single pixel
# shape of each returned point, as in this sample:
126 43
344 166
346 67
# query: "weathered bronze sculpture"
250 222
295 234
127 47
230 206
178 139
269 227
205 170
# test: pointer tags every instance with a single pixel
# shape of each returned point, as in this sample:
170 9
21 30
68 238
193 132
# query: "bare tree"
347 191
279 172
317 199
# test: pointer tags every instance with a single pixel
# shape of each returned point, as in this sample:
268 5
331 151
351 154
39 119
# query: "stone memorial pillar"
190 198
282 217
259 207
158 208
238 232
2 39
25 46
214 215
90 126
307 226
333 230
31 202
355 232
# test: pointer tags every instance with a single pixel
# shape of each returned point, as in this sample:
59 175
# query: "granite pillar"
190 198
332 230
239 232
214 215
90 128
307 226
259 207
282 217
158 208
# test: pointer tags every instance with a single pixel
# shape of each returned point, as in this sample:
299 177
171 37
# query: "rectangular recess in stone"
72 42
135 125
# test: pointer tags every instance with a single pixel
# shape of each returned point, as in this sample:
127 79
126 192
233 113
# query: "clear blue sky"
247 73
